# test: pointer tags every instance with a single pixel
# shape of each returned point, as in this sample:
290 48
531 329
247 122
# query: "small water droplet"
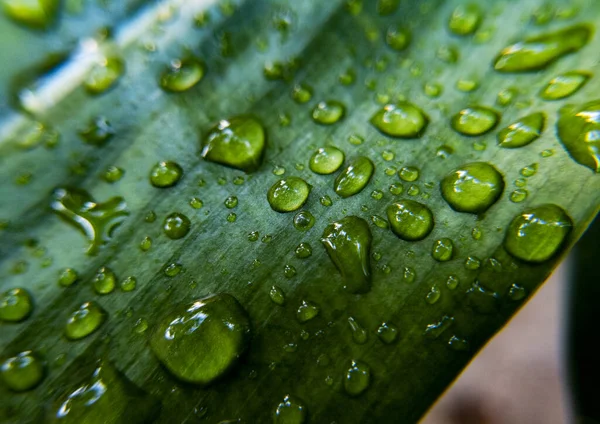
129 284
302 93
304 250
67 277
290 411
402 120
435 330
458 344
307 311
15 305
410 220
196 203
357 378
326 160
472 263
277 295
104 281
181 75
176 225
516 292
442 250
434 295
465 19
165 174
397 37
409 275
304 221
22 372
328 112
409 173
475 120
146 244
97 132
104 75
452 282
172 269
359 334
84 320
387 332
288 195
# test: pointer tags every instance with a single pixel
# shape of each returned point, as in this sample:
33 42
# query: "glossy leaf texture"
169 79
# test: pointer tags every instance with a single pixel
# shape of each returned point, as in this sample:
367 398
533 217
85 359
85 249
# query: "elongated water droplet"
277 295
523 131
402 120
181 75
326 160
472 188
176 225
15 305
539 51
201 341
354 178
39 14
359 334
348 244
22 372
475 120
357 378
238 143
538 233
289 194
328 112
104 74
465 19
410 220
578 129
442 250
84 321
290 411
564 85
165 174
97 221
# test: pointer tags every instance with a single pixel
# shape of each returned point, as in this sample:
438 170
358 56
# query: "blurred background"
519 376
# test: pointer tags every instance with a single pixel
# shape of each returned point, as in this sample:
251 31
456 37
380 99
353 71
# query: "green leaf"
134 86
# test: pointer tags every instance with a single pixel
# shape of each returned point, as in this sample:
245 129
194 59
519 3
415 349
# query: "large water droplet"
104 281
22 372
238 143
539 51
348 244
538 233
564 85
15 305
357 378
354 178
578 129
97 221
84 321
522 132
290 411
475 120
402 120
181 75
38 14
326 160
473 187
176 225
289 194
410 220
201 341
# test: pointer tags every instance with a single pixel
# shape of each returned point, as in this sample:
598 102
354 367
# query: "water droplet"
104 281
578 128
97 221
307 311
539 51
518 195
482 300
97 132
506 96
112 174
359 334
402 120
398 38
15 305
357 378
410 220
326 201
472 188
387 332
442 250
529 170
238 143
176 225
516 292
84 320
34 14
537 233
443 152
128 284
277 295
434 295
523 131
67 277
146 244
356 139
472 263
304 221
22 372
289 194
564 85
380 222
458 344
140 326
354 178
348 244
289 271
196 203
150 217
475 120
181 75
467 85
165 174
231 202
409 173
302 93
348 77
435 330
232 217
409 275
328 112
326 160
396 189
173 269
547 153
452 282
267 238
465 19
304 250
104 75
433 89
201 341
377 194
290 411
